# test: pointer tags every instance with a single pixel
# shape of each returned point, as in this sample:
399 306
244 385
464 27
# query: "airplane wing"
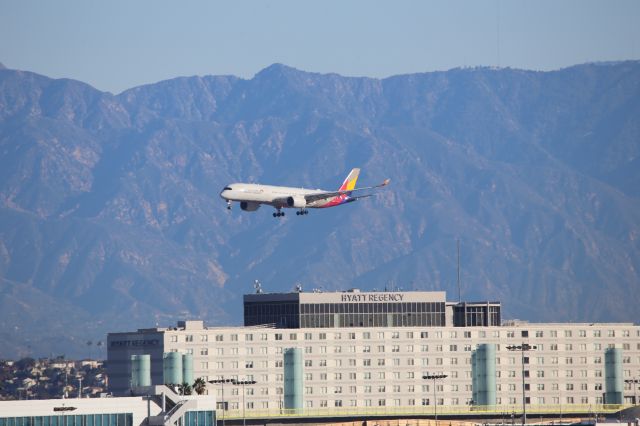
324 195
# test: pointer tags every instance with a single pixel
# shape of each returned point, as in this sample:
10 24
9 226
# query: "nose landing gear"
228 205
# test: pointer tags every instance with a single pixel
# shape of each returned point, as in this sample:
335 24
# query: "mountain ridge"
109 203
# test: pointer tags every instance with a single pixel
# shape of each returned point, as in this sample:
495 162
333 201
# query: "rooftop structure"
354 308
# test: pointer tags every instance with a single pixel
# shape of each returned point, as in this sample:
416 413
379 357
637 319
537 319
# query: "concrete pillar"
187 369
483 373
614 386
140 370
172 368
293 375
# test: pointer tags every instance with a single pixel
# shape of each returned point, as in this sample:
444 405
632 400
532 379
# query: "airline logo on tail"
350 182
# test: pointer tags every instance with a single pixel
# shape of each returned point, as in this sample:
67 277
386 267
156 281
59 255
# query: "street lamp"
63 409
522 348
222 382
435 377
244 405
635 388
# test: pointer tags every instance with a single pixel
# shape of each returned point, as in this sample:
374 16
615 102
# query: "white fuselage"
270 194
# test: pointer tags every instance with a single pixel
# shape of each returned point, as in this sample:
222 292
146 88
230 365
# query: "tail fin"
350 182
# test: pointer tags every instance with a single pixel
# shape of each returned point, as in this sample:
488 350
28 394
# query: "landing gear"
302 212
228 205
278 213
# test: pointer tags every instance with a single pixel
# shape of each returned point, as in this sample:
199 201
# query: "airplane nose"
223 193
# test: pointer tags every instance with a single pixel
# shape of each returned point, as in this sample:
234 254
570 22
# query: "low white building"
112 411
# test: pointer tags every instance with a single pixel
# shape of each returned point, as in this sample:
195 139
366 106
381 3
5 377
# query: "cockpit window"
227 187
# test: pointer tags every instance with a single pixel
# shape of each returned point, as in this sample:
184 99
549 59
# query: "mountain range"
110 218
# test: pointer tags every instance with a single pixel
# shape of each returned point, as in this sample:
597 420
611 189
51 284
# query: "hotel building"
372 349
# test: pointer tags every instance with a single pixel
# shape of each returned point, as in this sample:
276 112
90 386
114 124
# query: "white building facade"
373 366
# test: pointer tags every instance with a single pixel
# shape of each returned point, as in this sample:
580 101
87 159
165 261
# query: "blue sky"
114 45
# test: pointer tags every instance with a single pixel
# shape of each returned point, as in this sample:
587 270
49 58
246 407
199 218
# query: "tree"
199 386
184 389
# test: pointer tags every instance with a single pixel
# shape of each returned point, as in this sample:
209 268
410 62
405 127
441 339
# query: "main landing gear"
278 213
302 212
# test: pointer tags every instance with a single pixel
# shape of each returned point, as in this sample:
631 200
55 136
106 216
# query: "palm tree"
199 386
185 389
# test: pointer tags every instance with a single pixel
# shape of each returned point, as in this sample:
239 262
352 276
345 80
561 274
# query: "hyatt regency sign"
134 343
372 297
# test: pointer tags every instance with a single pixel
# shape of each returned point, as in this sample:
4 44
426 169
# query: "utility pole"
435 377
222 381
244 405
522 348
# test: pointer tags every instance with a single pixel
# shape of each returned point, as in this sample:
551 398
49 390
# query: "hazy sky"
114 45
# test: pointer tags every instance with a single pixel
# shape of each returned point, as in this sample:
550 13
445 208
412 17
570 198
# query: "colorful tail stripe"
350 182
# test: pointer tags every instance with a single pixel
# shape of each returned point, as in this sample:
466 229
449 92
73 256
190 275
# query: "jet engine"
297 201
248 206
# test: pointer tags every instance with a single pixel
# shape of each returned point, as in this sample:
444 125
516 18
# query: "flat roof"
351 296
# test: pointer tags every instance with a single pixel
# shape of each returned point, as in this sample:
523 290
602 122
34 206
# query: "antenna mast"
459 294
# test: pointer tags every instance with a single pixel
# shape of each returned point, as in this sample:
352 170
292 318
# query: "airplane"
251 195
